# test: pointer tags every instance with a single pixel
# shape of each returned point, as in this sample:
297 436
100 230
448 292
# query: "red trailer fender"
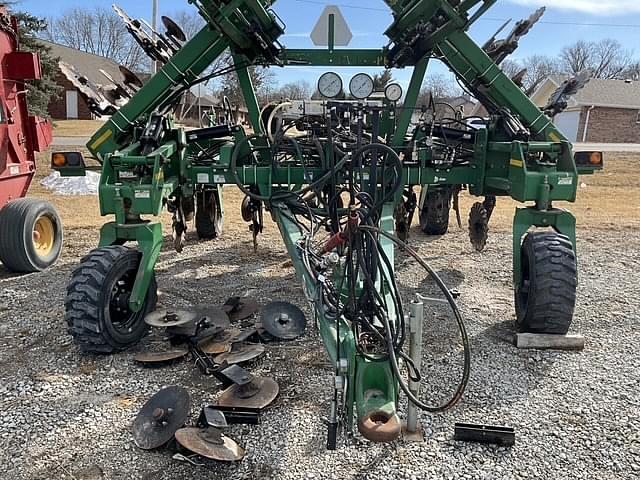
21 135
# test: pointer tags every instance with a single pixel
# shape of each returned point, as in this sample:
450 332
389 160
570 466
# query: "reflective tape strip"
100 140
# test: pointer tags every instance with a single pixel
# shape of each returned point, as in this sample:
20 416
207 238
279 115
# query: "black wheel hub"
122 318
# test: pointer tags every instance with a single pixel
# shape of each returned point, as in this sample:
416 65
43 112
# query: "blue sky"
619 19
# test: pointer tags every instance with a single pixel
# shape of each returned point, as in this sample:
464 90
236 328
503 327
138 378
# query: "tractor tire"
97 303
546 296
209 221
434 216
31 235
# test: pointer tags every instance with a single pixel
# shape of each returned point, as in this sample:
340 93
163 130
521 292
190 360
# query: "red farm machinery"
30 229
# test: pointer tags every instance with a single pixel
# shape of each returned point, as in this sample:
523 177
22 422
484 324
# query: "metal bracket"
213 416
469 432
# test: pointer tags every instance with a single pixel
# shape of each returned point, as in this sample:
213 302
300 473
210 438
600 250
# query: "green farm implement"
342 180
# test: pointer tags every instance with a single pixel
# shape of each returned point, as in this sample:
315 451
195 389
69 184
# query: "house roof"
460 100
603 93
88 64
206 100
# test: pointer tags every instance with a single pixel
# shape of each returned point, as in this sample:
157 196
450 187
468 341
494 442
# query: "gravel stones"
576 415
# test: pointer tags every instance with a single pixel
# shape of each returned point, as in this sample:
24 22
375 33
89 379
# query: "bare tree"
300 90
604 59
632 72
576 58
99 31
539 68
263 80
510 67
440 86
190 21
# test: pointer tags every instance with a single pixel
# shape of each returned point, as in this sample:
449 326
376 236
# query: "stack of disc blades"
228 335
211 346
240 353
214 315
163 318
151 358
239 308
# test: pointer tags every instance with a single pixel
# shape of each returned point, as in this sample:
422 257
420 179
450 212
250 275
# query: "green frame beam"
294 57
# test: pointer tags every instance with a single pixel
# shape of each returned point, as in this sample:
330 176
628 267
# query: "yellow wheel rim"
44 236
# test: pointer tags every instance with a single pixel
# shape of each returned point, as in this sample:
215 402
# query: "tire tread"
82 303
13 251
551 301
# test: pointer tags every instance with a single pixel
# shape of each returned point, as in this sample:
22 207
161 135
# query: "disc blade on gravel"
169 318
192 328
268 390
160 418
283 320
240 353
210 445
211 346
239 308
217 316
227 336
160 357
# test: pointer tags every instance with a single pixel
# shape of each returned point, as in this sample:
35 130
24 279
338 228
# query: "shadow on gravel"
364 472
424 284
502 332
450 276
417 236
6 273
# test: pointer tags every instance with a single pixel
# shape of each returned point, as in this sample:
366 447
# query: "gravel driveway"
576 415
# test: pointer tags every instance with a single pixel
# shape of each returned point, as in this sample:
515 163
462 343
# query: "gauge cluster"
361 87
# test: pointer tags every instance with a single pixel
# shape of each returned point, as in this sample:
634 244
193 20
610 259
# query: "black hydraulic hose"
400 334
391 153
233 167
463 332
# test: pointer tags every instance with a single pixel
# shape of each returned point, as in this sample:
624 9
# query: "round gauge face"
361 86
330 85
393 92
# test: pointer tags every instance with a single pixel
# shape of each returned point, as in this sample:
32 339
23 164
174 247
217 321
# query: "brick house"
604 111
193 110
70 104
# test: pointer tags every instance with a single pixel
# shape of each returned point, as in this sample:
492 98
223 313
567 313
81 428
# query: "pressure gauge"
330 85
361 86
393 92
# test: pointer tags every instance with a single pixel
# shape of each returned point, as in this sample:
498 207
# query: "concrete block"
547 341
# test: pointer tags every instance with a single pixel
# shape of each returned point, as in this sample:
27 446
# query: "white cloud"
594 7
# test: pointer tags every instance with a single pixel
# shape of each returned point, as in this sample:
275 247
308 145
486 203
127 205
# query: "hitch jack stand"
412 430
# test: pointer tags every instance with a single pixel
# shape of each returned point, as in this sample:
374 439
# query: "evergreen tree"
40 92
381 80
